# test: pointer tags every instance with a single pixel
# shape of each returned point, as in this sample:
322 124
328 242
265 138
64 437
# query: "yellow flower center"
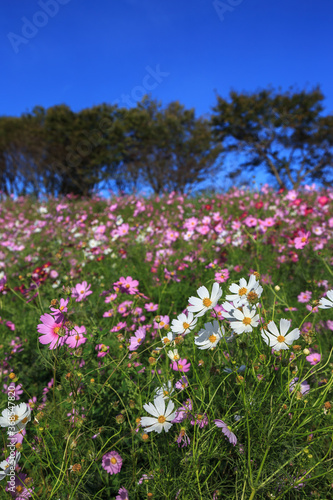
180 367
303 239
127 285
82 291
186 325
280 338
25 420
247 321
77 337
176 357
212 338
166 340
207 302
161 419
61 308
113 460
242 291
162 323
19 488
165 393
56 329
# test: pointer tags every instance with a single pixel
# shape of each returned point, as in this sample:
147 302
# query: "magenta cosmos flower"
51 328
122 494
226 431
314 358
81 291
181 365
112 462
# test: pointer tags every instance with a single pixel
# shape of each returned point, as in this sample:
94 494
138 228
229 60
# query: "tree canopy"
283 133
167 148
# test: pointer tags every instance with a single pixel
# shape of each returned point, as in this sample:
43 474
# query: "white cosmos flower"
210 336
161 417
17 416
325 303
243 320
167 339
8 466
183 324
245 293
206 301
173 355
165 391
280 339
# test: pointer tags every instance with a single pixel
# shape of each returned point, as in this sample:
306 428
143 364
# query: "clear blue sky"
84 52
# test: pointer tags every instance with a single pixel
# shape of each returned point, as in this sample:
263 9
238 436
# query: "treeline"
58 151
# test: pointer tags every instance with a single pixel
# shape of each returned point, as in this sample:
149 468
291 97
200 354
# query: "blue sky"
83 53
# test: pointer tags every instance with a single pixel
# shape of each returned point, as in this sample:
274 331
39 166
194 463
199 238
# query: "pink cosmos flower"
183 412
304 297
76 337
119 326
50 328
108 314
13 390
226 431
123 229
222 276
203 229
164 320
314 358
10 325
122 494
110 298
22 488
103 350
62 307
151 306
138 339
200 419
301 240
112 462
250 221
183 438
81 291
181 365
323 200
182 383
126 285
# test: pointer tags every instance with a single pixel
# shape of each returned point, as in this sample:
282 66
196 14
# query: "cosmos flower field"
167 347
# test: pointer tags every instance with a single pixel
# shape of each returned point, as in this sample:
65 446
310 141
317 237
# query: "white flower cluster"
240 311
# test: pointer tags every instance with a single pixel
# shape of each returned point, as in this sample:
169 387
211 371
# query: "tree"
285 133
168 148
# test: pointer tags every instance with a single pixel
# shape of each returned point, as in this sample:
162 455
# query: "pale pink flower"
81 291
226 431
314 358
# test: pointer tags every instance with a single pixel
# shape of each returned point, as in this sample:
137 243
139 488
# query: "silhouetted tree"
285 133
